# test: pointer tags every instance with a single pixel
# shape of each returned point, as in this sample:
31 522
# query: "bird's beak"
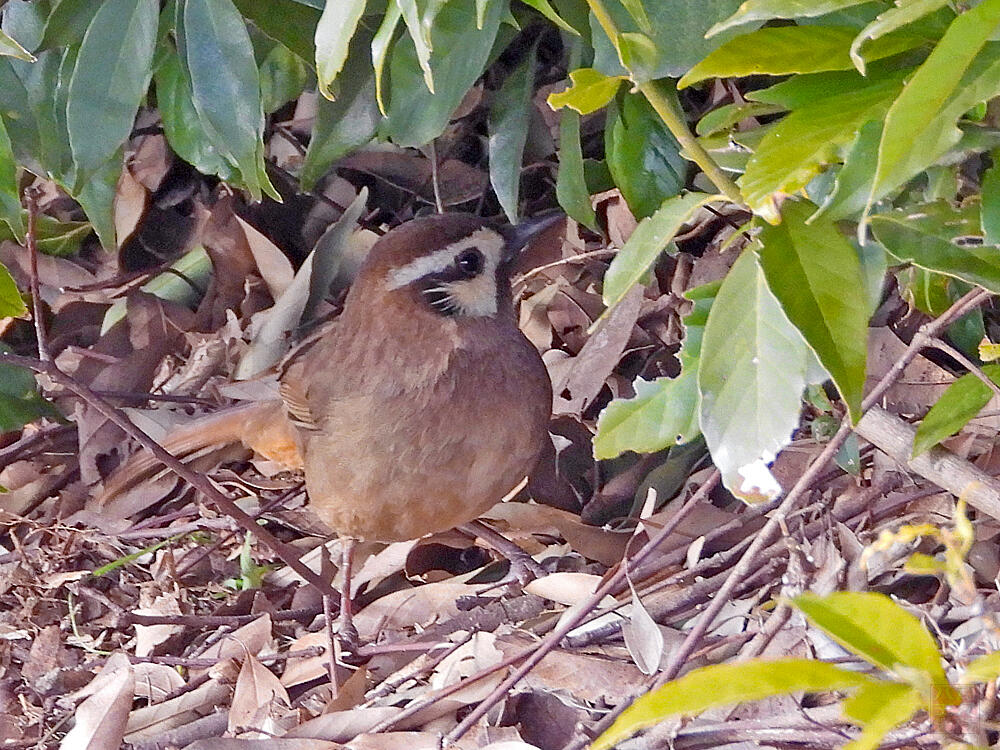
519 236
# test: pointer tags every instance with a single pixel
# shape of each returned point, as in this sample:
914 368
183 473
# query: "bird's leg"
346 631
523 567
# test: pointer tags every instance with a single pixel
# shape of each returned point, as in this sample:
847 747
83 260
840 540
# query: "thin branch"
967 363
31 241
196 480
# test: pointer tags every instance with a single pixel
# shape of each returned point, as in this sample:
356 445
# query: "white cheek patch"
473 297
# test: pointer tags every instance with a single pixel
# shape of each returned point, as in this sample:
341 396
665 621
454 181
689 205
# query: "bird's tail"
261 426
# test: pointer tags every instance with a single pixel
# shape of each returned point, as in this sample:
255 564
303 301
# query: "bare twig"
196 480
967 363
31 241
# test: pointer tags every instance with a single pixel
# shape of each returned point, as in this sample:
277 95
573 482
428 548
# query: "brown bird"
423 404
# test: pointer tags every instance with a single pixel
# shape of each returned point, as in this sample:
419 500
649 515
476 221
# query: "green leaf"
984 669
283 77
333 36
854 181
892 19
918 110
880 708
571 186
816 276
649 239
381 43
764 10
991 201
797 147
460 53
728 115
752 374
11 304
10 196
936 237
67 23
10 48
725 684
19 399
546 9
287 21
643 156
97 194
877 629
781 50
589 90
509 119
663 412
112 72
225 85
420 36
675 36
343 125
182 126
962 401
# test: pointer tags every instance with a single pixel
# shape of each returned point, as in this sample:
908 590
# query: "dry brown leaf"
154 682
129 206
147 637
418 607
257 690
248 639
274 266
299 671
151 721
270 743
101 718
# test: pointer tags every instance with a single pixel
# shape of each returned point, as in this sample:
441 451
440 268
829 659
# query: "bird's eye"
470 262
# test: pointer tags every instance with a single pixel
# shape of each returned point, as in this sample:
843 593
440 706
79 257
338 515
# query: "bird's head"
452 265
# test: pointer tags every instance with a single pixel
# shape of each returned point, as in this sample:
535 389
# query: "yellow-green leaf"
589 91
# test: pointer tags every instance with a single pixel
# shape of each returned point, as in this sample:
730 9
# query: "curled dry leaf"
101 718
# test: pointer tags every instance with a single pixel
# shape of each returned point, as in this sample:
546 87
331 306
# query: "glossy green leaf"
984 669
816 276
11 304
880 708
643 156
10 48
940 238
287 21
781 50
962 401
589 91
765 10
182 126
67 23
283 77
918 110
892 19
112 72
546 9
878 630
10 196
225 86
509 119
349 122
96 196
676 36
650 238
460 53
333 37
754 367
571 185
991 201
797 147
725 684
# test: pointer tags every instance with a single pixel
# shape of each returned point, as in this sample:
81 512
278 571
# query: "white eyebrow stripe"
489 240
